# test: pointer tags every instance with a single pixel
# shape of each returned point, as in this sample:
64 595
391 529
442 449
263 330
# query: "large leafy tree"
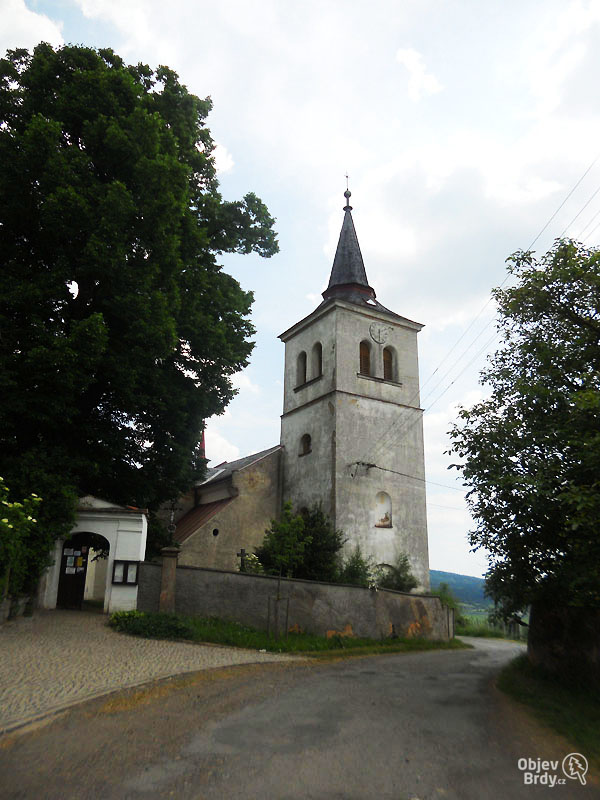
119 331
531 451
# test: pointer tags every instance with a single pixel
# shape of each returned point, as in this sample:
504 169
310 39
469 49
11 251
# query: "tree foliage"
321 561
358 569
20 541
317 545
119 331
531 451
284 545
398 576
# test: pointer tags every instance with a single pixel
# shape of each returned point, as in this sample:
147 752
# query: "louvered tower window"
388 364
365 358
301 369
317 360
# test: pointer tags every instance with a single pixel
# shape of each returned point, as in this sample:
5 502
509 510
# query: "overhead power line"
581 210
406 475
564 201
438 505
591 222
391 436
592 232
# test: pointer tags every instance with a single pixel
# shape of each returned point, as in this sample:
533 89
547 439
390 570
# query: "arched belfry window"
365 358
383 510
317 360
301 369
305 445
388 364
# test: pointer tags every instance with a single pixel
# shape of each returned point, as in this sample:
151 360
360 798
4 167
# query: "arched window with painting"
383 510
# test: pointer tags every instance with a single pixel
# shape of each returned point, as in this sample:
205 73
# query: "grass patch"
573 710
218 631
477 627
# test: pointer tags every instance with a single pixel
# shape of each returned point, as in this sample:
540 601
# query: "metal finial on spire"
347 195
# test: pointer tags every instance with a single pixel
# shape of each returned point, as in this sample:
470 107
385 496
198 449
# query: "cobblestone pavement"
56 658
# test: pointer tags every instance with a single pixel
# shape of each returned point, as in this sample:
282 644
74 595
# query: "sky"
468 130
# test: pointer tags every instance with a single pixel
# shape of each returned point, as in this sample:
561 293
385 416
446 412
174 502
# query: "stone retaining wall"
314 607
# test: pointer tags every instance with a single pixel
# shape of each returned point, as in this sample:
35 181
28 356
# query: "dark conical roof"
348 274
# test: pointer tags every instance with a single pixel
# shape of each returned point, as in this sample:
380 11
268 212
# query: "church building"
351 435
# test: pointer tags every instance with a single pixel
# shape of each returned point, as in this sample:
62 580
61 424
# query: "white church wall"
302 339
354 418
353 325
309 409
308 479
242 522
395 443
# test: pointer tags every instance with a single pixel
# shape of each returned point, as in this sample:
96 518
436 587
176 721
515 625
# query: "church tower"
351 427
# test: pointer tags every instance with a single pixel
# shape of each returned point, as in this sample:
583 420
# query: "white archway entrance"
83 569
124 531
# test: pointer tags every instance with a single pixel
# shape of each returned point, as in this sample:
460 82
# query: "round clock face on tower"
379 332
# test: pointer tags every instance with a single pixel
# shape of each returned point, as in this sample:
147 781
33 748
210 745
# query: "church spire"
348 276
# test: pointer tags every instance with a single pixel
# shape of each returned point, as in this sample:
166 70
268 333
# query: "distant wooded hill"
465 588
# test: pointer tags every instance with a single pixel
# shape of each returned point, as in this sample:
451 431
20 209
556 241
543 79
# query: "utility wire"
451 508
593 219
388 438
592 232
406 475
384 435
581 210
564 201
408 423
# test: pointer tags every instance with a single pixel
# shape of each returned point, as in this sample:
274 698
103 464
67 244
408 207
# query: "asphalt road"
422 725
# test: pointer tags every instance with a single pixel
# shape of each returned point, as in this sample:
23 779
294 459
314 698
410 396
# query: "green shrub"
252 565
358 569
398 576
18 521
282 550
152 626
320 560
304 545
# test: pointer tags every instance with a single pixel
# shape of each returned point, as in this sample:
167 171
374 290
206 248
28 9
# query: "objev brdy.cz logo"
536 771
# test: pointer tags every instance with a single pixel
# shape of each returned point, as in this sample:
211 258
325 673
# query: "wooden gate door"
73 569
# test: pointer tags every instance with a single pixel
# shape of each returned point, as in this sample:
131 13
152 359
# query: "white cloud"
24 28
223 159
477 307
420 82
315 299
556 49
243 382
218 448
